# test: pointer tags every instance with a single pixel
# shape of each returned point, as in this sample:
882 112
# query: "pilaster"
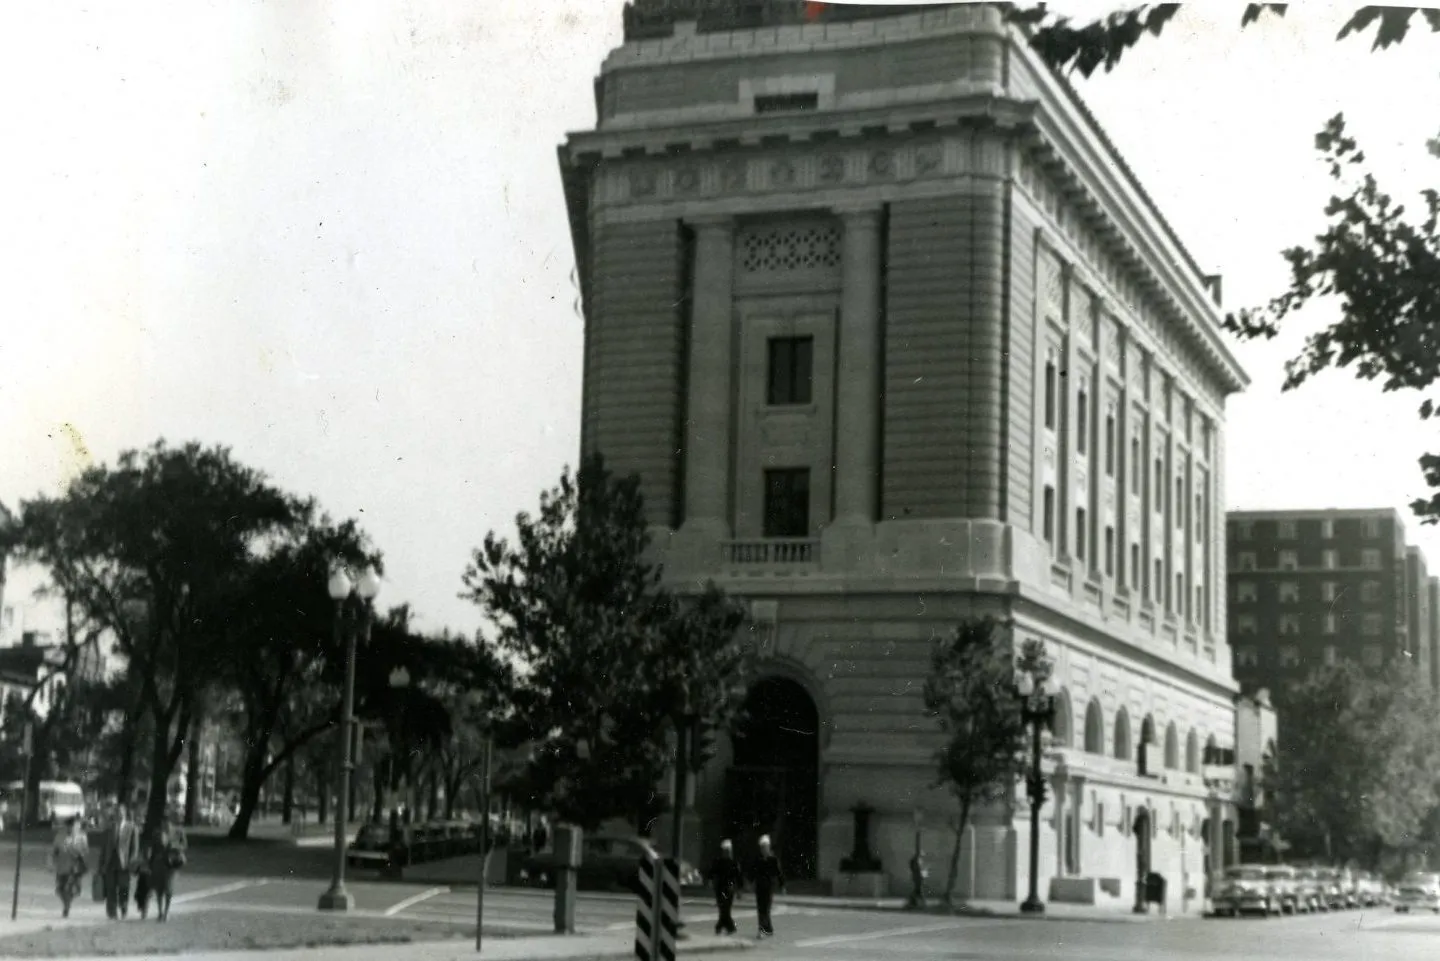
857 461
709 396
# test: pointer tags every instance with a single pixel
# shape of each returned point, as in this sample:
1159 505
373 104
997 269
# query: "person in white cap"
726 879
768 879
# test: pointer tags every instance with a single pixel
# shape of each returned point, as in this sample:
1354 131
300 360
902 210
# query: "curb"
973 912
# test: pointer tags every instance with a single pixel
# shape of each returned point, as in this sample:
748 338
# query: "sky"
331 237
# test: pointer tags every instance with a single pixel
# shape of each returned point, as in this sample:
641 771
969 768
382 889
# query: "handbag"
176 857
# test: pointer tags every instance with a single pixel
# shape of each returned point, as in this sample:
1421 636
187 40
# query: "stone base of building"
862 884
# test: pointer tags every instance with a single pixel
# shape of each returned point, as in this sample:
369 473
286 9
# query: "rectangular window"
787 502
1289 656
1050 515
1159 492
1244 531
1289 592
1159 581
1329 590
1370 528
1199 601
1080 533
1135 569
1330 559
1332 655
1245 624
1246 657
1082 421
1289 623
1201 521
1179 505
1182 599
1245 592
1372 625
1135 463
1330 623
1110 552
1287 530
791 370
1327 529
1370 559
1370 592
1245 560
1288 561
1110 444
1050 392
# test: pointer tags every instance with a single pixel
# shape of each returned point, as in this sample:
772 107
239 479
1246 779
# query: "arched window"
1172 748
1094 729
1147 740
1192 752
1063 720
1122 735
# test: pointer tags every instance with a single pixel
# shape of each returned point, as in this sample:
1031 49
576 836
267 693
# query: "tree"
971 693
1353 773
149 550
1380 264
608 657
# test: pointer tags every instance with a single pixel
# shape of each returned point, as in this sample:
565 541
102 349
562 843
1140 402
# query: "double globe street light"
341 588
1037 709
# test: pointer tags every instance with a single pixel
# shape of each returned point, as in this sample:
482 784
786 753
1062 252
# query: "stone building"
893 337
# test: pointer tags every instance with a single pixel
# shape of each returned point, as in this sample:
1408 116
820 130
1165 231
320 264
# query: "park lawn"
224 931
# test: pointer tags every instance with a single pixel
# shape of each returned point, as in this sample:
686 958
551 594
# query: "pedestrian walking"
768 879
119 859
540 836
68 857
165 853
727 880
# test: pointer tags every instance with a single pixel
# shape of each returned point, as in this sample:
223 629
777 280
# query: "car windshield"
1279 875
1245 874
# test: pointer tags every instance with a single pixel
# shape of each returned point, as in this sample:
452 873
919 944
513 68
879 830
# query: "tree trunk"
192 772
377 779
452 788
322 791
287 800
251 781
954 876
432 806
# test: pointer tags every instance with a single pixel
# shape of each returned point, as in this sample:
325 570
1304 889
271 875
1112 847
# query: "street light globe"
399 677
1051 687
369 584
339 585
1025 684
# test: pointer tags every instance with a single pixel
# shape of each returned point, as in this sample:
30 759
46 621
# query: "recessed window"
1247 657
1331 623
1370 560
1330 559
1372 655
1289 656
1327 529
1370 528
1182 600
1050 376
1289 561
1289 592
1179 506
1110 551
1329 591
1244 530
1332 655
1082 421
1372 625
787 502
783 102
1245 592
791 370
1135 464
1049 515
1159 486
1370 592
1080 533
1245 560
1110 444
1245 624
1200 519
1289 624
1288 531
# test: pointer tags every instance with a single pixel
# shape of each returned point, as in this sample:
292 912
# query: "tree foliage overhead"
1354 772
609 656
971 693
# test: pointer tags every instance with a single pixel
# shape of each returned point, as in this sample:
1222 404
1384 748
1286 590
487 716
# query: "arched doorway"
773 784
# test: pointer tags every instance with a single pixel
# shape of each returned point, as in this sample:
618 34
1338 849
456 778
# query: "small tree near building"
971 692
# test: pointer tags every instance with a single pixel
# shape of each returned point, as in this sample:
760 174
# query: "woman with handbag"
68 858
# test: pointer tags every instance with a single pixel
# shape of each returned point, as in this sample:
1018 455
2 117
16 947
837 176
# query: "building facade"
893 337
1432 593
1310 588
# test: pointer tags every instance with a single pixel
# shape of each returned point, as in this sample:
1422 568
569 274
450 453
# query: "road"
257 879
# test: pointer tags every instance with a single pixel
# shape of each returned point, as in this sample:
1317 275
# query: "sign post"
20 836
484 845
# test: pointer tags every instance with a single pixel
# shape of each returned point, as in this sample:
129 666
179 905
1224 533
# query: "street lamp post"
340 587
1037 707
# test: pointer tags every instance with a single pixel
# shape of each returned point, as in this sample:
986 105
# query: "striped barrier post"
667 908
646 900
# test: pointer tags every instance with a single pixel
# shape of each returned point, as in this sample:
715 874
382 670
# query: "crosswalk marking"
415 899
878 935
218 890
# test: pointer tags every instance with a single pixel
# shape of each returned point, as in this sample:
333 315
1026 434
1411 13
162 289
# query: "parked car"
1369 890
1287 888
1334 890
1418 891
1312 889
1246 888
607 863
371 847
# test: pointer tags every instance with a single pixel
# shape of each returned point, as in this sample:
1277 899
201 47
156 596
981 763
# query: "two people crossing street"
126 858
727 880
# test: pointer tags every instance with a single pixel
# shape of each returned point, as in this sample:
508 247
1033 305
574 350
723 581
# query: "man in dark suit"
726 878
119 859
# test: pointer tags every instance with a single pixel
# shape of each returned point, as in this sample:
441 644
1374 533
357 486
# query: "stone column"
708 403
857 461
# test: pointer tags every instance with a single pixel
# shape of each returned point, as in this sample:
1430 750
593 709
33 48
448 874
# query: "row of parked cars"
1271 889
414 844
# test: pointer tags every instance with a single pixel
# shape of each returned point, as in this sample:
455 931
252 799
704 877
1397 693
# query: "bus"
55 802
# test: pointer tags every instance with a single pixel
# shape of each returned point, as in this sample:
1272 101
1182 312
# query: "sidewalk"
1054 911
542 948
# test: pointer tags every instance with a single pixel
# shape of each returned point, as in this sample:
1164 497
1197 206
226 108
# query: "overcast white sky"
331 235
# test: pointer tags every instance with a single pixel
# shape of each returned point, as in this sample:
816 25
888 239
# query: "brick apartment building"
893 336
1309 588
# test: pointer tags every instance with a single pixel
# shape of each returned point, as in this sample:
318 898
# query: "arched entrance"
773 784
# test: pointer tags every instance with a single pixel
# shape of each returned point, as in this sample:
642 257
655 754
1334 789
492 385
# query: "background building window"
1327 529
1159 582
791 370
1179 506
1330 559
1182 599
1159 490
1332 655
1245 592
1289 624
1330 623
1371 655
1289 656
1135 569
1245 561
1288 561
1329 590
1287 530
1246 657
1370 528
1200 524
1245 624
1289 592
1370 560
787 502
1135 463
1110 552
1372 625
1370 592
1244 531
1110 443
1080 533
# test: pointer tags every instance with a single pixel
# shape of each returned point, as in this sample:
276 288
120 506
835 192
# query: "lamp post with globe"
1037 707
336 898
